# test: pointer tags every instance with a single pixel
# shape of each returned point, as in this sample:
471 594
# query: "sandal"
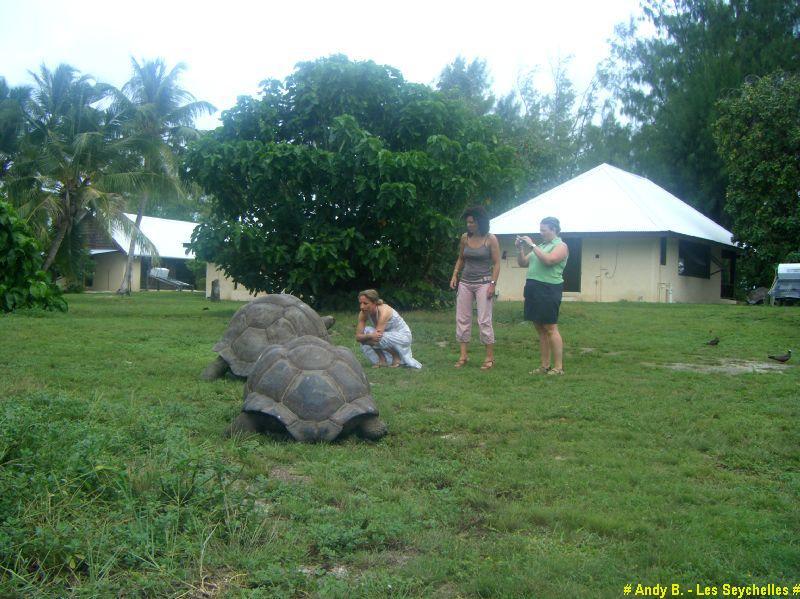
487 365
461 362
556 371
540 370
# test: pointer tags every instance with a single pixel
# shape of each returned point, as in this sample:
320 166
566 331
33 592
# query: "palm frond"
120 222
138 182
186 114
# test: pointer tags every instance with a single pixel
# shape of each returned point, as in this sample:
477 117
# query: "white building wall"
227 289
616 268
511 281
109 269
693 290
620 268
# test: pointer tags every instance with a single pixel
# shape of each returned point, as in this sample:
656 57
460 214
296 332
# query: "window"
694 259
728 274
572 272
663 251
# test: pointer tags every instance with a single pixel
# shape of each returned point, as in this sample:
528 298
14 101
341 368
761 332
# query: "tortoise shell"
312 388
265 321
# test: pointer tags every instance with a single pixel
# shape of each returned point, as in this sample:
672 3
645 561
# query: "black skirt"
542 301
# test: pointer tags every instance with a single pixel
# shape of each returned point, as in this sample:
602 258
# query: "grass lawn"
655 459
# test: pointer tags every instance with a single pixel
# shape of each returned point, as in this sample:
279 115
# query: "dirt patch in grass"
448 591
287 476
337 571
728 367
215 584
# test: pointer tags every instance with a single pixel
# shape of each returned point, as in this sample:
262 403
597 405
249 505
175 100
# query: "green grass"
115 479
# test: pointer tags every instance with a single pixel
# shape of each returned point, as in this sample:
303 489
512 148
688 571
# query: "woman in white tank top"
384 336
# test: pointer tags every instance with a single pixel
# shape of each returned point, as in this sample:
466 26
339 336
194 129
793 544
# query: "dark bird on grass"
714 341
782 358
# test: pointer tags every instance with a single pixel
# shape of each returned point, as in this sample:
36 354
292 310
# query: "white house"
110 253
629 239
169 237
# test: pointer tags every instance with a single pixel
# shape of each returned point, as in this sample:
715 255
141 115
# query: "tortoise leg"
215 370
372 428
243 424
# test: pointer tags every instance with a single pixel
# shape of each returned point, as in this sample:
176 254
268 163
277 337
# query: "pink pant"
467 293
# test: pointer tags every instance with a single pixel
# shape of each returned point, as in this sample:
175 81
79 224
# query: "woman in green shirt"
543 289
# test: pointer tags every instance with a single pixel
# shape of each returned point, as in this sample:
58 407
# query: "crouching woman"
383 334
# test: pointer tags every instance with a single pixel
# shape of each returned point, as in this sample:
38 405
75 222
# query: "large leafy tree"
758 135
470 82
344 176
669 83
158 121
552 133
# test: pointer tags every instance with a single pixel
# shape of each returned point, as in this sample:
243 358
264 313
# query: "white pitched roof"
167 235
606 199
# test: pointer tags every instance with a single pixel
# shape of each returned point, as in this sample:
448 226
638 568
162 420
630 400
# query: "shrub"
23 284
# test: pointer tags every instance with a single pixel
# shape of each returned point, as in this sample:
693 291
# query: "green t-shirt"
540 271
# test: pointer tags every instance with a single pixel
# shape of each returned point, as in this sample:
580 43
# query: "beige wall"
620 268
693 289
615 269
227 289
108 272
512 277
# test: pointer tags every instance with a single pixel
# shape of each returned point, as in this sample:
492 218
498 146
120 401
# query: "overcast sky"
229 47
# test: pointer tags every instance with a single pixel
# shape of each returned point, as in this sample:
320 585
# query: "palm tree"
12 122
69 162
57 175
160 121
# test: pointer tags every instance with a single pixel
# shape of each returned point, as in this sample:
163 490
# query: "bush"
22 282
415 296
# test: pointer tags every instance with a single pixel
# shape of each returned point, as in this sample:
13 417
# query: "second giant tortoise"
311 389
267 320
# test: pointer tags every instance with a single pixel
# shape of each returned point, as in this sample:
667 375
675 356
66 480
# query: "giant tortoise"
311 389
264 321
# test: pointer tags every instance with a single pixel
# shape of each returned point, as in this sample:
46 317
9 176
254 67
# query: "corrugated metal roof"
606 199
167 235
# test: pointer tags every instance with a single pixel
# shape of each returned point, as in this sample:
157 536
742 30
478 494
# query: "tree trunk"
125 287
61 231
